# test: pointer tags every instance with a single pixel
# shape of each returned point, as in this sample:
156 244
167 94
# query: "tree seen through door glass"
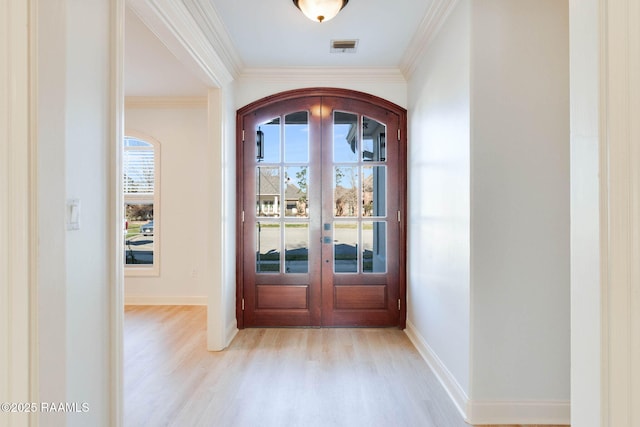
345 191
374 191
296 183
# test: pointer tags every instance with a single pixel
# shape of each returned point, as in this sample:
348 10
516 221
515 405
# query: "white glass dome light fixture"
320 10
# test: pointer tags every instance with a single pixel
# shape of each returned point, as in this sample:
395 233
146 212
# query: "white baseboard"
538 412
232 331
446 378
138 300
478 412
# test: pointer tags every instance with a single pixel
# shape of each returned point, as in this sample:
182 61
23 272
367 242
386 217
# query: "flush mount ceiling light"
320 10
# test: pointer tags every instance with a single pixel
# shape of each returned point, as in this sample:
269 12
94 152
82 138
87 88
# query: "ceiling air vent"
344 46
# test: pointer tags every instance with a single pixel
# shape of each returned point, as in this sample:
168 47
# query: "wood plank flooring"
274 377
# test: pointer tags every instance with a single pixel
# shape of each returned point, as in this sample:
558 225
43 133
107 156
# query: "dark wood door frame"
240 185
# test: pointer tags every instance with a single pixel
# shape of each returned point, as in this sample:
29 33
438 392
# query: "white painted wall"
229 214
180 127
254 84
87 143
221 317
585 217
150 67
439 198
68 112
73 130
520 200
489 209
52 319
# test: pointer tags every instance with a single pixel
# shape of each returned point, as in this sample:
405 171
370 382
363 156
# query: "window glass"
268 142
296 137
296 181
345 247
268 197
139 233
345 137
345 191
268 247
374 144
374 247
374 191
296 247
140 187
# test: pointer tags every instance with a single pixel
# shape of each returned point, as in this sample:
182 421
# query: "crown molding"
175 26
320 76
428 29
207 17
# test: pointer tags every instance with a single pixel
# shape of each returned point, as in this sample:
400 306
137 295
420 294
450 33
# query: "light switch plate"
73 214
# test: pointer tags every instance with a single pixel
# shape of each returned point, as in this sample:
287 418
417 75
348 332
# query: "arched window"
141 190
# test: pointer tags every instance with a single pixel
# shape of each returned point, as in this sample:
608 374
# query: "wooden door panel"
282 297
362 297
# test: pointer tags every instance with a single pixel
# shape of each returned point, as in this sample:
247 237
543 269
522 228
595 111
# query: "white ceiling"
274 33
259 34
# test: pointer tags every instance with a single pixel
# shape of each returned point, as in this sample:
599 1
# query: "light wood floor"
274 377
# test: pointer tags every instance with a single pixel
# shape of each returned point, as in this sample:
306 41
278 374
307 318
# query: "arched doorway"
321 201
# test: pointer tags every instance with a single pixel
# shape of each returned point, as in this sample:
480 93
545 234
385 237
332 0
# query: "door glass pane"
268 142
268 247
268 198
374 143
296 238
374 246
345 247
296 191
296 137
374 191
345 137
345 193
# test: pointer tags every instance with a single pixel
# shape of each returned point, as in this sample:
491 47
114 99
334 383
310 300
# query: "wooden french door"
321 195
